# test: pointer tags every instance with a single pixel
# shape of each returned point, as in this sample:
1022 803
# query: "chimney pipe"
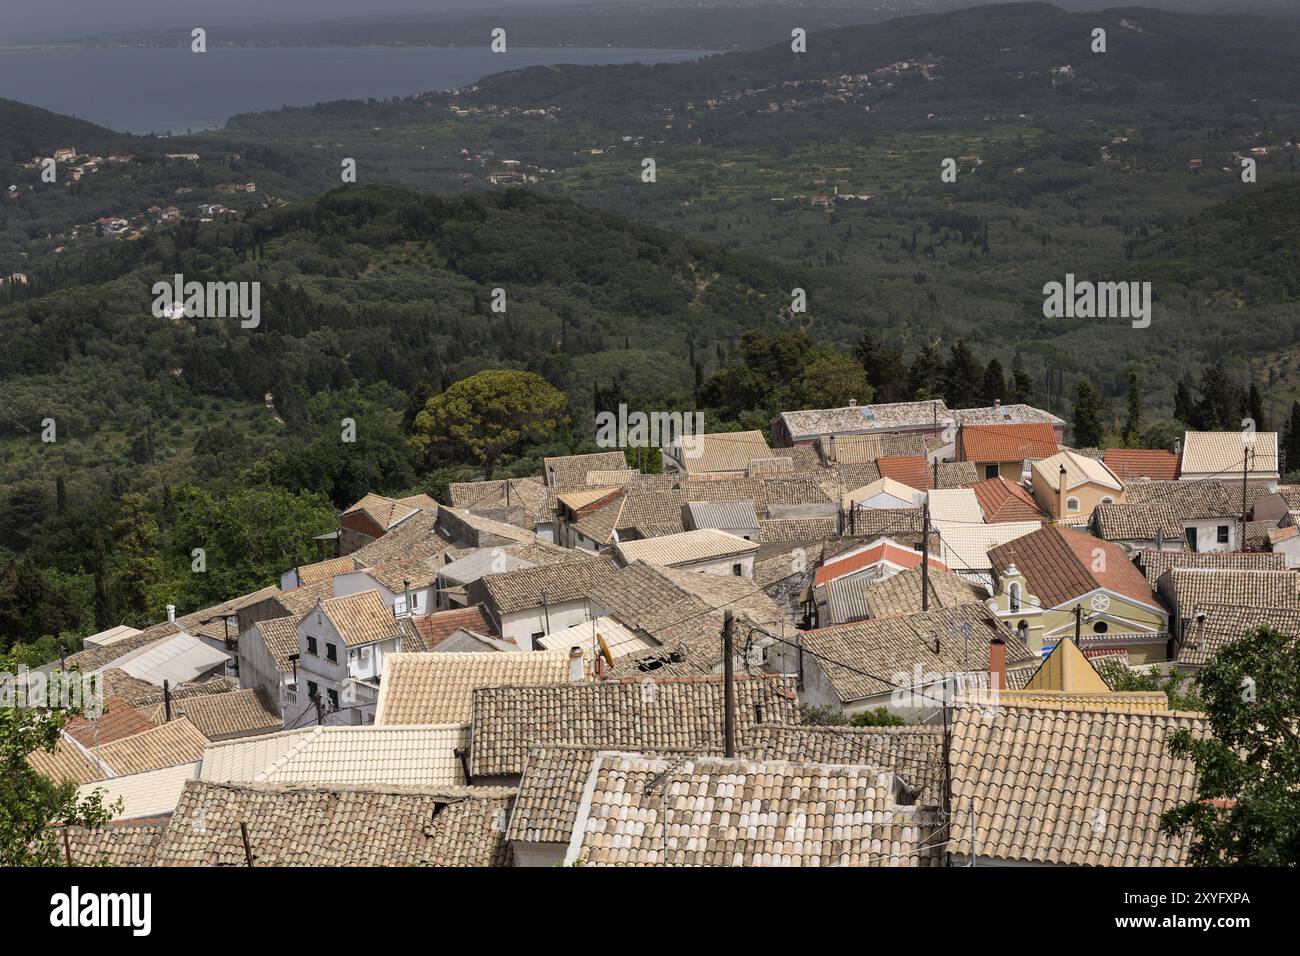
998 663
171 613
1060 493
406 590
576 669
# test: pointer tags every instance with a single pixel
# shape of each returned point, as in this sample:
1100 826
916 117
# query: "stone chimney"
171 612
576 669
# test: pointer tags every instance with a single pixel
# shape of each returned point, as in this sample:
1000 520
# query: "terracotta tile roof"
550 791
248 711
119 719
1225 623
413 539
652 509
796 529
674 713
721 451
531 493
361 618
869 522
1223 453
280 636
646 811
706 544
151 793
1156 508
68 762
999 443
901 593
418 500
437 688
1136 463
324 570
1189 588
570 471
318 756
394 575
118 844
1001 414
859 449
911 470
176 742
512 591
1058 563
888 646
1156 563
299 825
913 752
435 628
881 551
895 416
1001 500
385 512
955 474
1068 787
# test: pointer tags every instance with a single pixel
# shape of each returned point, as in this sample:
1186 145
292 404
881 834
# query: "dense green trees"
490 416
1247 808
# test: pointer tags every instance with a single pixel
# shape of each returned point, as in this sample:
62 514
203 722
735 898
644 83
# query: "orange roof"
1154 463
118 720
437 627
1003 500
1006 442
911 470
885 550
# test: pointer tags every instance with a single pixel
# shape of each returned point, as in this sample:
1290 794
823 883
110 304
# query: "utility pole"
1078 624
729 685
167 700
320 715
1241 545
925 554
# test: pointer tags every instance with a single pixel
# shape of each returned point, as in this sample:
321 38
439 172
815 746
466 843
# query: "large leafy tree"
491 416
831 379
1247 809
29 802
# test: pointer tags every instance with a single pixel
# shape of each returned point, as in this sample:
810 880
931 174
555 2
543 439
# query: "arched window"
1107 500
1013 596
1071 504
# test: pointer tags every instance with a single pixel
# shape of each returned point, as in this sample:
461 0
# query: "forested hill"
380 285
988 50
27 131
1245 247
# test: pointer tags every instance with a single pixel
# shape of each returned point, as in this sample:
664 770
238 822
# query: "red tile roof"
1058 563
437 627
118 720
911 470
884 551
1130 463
1006 442
1003 500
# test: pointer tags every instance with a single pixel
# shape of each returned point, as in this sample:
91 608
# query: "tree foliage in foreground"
1247 808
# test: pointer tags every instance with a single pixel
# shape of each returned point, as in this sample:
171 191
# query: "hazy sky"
23 21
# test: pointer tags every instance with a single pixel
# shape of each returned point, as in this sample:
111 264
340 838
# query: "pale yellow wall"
1010 470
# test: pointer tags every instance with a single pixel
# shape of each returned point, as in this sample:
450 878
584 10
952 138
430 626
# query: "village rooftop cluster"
534 672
